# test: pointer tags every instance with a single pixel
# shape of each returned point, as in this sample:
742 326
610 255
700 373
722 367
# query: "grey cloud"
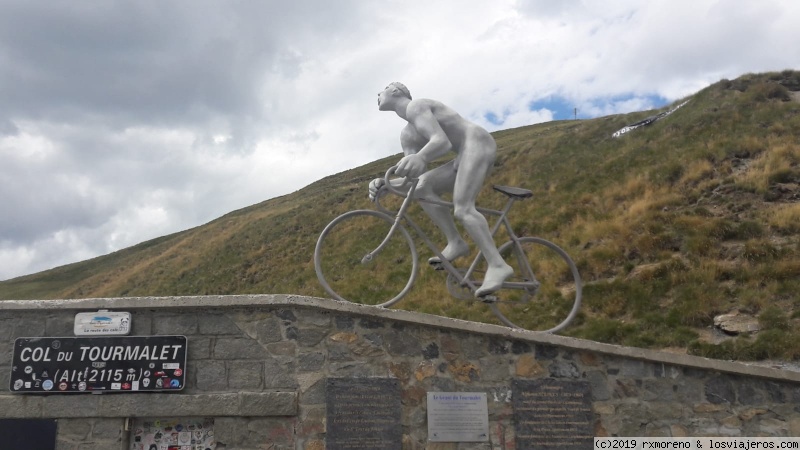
165 63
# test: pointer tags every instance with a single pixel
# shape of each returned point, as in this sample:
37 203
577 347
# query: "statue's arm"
426 126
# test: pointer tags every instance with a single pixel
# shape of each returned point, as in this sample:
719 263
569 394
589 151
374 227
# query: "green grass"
671 224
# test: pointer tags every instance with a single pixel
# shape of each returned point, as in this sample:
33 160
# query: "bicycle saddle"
513 191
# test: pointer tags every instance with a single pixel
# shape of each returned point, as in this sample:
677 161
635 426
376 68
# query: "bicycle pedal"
437 265
488 298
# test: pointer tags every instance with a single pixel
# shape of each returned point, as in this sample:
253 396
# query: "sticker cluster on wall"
174 434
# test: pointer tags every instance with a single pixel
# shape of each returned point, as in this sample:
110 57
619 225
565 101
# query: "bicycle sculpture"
432 130
369 257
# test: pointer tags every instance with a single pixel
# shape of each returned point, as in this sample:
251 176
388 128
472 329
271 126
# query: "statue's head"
401 88
392 91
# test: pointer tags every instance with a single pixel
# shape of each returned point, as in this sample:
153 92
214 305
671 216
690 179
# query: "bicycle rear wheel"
555 302
345 273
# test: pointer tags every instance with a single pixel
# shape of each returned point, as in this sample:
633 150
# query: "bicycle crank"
488 298
456 289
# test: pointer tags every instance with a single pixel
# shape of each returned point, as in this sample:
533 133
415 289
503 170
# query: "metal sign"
458 417
102 364
103 322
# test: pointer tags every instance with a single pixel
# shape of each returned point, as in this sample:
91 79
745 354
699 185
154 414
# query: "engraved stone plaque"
363 413
553 414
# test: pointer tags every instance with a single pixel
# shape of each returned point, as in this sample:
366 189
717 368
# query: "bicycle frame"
464 280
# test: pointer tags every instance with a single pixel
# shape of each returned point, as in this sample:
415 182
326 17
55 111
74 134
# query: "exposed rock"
736 323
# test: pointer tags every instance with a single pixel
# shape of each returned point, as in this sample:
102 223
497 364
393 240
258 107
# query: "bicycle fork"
368 257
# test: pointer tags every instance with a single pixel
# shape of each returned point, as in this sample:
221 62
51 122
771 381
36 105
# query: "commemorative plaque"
363 413
458 417
99 364
28 434
553 414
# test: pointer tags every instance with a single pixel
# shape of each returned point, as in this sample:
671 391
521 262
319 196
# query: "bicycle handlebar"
392 189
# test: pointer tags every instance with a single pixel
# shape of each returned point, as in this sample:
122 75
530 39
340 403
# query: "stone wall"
258 366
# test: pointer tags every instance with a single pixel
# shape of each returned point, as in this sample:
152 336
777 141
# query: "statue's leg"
432 185
477 157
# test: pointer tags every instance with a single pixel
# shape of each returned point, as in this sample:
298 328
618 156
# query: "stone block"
258 404
627 388
353 369
546 352
376 339
719 389
21 406
494 368
315 394
370 324
269 330
211 376
245 374
141 324
309 337
634 369
750 394
6 353
73 405
239 348
108 429
339 352
658 389
430 351
688 390
528 367
599 385
284 348
60 326
279 374
499 347
7 330
564 369
278 432
344 322
314 318
217 325
441 384
402 344
29 326
425 369
521 347
181 324
74 429
230 432
286 315
368 348
198 348
464 371
310 362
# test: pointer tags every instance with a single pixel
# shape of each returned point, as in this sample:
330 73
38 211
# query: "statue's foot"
452 252
495 276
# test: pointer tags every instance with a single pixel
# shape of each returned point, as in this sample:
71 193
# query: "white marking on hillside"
646 121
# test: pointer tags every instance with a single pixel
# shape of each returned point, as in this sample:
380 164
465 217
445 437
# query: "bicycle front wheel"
347 272
545 293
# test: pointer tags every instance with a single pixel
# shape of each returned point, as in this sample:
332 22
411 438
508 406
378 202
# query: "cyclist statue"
433 129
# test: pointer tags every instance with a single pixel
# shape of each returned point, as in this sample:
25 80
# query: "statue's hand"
411 166
374 186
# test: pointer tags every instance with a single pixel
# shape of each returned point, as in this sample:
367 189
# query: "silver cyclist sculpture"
432 130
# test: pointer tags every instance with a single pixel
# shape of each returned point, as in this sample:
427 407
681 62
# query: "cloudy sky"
121 121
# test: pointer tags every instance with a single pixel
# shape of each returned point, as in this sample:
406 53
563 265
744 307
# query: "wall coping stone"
273 301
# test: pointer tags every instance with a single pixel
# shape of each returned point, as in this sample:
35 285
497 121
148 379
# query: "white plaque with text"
103 323
458 417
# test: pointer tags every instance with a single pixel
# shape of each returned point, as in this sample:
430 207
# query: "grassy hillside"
671 224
